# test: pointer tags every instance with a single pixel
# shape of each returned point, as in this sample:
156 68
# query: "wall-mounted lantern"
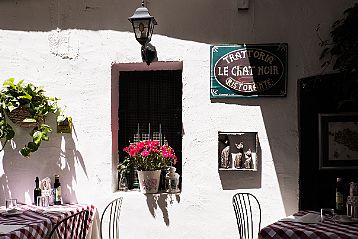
143 26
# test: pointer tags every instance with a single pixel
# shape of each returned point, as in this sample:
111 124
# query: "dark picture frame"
338 141
237 151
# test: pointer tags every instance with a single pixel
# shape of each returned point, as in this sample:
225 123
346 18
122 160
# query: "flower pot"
18 115
149 181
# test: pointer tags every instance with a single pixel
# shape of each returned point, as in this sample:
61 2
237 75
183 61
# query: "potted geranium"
149 158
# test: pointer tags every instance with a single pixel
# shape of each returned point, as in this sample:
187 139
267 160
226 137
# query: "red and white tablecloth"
37 222
328 229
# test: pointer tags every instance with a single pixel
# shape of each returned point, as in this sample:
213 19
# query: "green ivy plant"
342 49
15 95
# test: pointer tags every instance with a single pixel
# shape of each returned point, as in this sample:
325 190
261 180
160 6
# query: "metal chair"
74 226
248 215
112 213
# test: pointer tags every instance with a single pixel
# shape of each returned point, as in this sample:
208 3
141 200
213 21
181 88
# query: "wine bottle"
37 190
57 196
339 196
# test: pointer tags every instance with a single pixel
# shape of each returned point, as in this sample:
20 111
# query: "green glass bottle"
57 196
339 196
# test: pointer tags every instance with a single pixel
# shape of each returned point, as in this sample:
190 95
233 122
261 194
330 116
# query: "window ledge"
237 169
137 191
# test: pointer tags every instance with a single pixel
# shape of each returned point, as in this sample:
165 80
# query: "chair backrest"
111 213
248 215
71 227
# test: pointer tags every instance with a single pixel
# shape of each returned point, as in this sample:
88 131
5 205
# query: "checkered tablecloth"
296 230
37 222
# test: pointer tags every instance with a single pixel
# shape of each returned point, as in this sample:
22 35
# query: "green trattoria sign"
248 70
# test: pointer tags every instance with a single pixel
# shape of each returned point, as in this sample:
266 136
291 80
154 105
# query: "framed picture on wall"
338 141
237 151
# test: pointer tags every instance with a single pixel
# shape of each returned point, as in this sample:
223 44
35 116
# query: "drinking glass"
327 214
43 201
10 204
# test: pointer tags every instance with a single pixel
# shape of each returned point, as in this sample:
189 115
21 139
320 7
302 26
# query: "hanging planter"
26 106
20 116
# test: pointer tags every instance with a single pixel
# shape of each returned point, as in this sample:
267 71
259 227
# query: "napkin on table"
57 209
4 229
308 218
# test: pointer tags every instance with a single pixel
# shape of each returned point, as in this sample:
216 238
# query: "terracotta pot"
149 181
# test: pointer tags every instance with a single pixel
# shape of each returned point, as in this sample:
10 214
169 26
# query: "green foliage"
15 95
343 47
123 167
38 135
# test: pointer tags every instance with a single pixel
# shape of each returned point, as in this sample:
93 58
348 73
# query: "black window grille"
150 106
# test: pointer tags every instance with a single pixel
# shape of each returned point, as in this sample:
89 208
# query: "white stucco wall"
74 64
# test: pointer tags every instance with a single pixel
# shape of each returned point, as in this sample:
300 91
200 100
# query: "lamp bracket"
149 53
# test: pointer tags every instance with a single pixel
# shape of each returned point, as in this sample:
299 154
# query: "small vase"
123 185
149 181
172 181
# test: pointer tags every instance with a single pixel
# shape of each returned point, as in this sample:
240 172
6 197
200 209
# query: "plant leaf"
25 151
10 133
45 137
27 97
19 84
9 82
45 128
37 137
10 107
32 146
61 118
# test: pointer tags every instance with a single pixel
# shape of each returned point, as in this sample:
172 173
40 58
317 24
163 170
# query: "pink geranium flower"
145 153
149 155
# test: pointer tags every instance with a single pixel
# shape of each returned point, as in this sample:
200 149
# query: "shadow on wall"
283 143
19 173
208 21
155 201
47 15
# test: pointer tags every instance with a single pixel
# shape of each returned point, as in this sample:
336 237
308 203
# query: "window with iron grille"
150 107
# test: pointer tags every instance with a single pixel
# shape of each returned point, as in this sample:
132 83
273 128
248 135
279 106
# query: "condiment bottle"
37 190
57 196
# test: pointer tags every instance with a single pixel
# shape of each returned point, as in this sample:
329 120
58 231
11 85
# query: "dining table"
308 225
33 222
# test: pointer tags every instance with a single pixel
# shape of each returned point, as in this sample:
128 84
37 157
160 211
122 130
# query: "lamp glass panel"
141 28
151 29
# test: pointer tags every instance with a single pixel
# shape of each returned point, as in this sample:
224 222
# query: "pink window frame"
117 68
